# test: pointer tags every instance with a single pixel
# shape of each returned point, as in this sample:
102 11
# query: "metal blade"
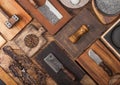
53 62
94 56
50 12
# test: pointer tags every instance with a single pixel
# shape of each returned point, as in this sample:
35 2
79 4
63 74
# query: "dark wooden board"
94 70
52 29
61 78
95 30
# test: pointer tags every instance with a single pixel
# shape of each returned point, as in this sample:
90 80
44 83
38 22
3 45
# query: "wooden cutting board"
95 31
102 17
6 78
36 30
52 28
94 70
11 7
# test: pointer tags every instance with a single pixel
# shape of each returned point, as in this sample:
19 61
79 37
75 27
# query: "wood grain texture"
102 17
95 71
34 29
95 30
52 29
11 7
2 40
6 78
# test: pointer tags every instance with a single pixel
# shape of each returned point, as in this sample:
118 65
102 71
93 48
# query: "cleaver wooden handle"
69 74
34 3
106 68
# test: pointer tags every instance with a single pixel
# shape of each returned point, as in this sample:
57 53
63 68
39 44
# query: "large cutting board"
95 30
94 70
52 28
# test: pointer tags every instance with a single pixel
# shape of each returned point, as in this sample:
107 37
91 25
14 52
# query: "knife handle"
106 68
34 3
69 74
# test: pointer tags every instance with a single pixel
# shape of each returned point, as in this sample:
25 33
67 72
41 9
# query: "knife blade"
56 65
95 57
53 62
48 10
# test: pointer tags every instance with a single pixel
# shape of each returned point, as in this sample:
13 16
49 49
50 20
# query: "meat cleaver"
56 65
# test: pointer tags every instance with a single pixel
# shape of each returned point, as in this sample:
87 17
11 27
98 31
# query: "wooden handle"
76 36
70 75
106 68
34 3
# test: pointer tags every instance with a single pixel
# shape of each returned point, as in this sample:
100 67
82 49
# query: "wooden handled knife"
99 61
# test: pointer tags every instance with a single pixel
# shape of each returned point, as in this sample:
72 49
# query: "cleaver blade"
94 56
53 62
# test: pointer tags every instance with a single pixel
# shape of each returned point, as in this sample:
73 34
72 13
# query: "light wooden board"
94 70
31 29
6 78
2 41
11 7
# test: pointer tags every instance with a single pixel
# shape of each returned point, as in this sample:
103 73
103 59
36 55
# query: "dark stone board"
112 38
61 78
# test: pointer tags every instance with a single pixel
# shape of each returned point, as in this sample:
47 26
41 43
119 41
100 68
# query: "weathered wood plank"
31 36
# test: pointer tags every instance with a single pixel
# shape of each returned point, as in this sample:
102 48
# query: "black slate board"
108 37
61 78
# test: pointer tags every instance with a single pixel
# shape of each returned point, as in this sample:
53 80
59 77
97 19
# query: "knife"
48 10
99 61
56 65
